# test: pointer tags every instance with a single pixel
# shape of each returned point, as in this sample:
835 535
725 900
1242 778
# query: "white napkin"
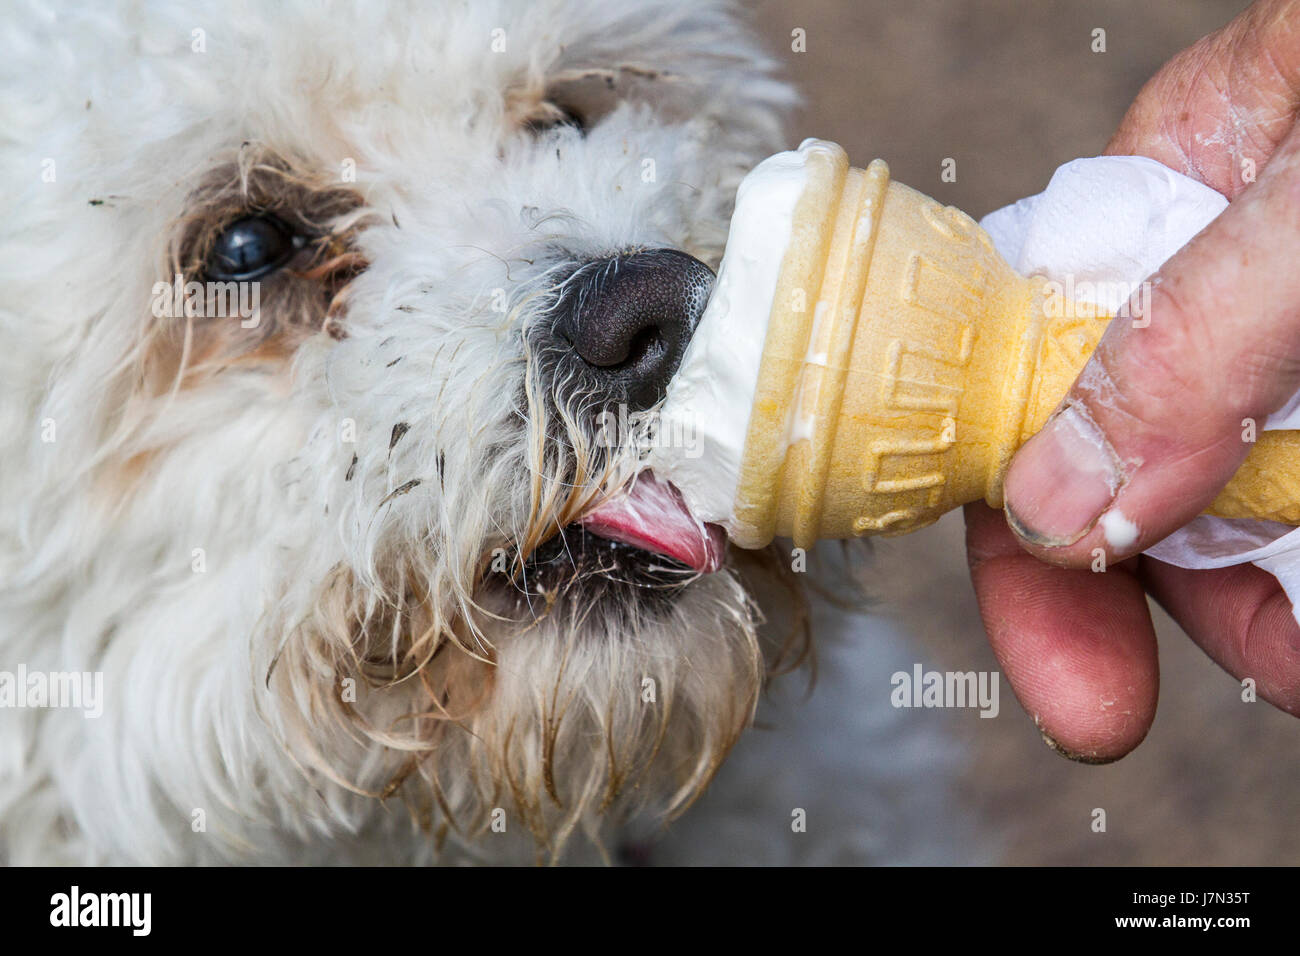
1108 223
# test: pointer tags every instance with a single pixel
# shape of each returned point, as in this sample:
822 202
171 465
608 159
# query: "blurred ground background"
1010 90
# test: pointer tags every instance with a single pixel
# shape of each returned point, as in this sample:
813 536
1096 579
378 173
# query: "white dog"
308 315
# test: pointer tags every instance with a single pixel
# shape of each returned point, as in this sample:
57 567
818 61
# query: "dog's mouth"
643 537
650 515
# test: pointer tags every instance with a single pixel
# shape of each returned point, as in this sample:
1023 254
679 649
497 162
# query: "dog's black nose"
627 320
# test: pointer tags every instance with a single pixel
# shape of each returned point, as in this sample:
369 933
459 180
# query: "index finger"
1219 109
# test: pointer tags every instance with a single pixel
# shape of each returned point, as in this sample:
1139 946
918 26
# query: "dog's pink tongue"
652 515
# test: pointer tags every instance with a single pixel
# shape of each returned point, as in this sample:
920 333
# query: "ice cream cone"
904 364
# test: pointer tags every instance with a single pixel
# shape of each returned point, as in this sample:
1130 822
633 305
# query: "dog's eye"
249 248
555 116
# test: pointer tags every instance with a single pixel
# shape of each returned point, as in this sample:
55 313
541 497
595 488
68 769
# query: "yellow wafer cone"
904 364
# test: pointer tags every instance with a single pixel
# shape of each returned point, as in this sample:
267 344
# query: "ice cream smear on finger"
681 503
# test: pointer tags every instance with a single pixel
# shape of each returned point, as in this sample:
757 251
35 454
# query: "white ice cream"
706 414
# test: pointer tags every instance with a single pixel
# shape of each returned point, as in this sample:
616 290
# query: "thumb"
1152 428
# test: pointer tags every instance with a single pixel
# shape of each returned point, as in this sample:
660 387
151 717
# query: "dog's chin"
579 565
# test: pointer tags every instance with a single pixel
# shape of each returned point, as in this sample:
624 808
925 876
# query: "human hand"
1152 429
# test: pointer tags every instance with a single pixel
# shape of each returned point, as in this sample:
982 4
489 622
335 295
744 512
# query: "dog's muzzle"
625 322
610 343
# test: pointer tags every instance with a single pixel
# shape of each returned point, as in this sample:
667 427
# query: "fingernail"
1061 480
1092 759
